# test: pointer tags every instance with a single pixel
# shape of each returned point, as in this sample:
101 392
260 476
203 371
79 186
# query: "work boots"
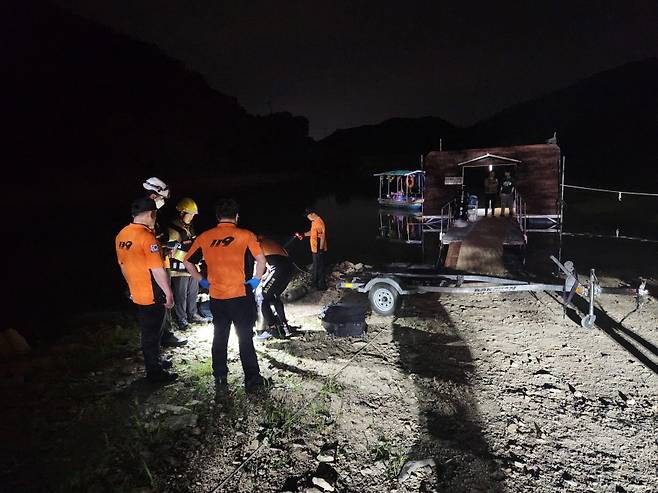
221 386
280 331
173 341
266 334
198 319
284 330
257 383
161 376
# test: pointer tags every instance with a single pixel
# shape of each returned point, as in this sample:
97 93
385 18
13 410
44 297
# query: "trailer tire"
587 321
383 299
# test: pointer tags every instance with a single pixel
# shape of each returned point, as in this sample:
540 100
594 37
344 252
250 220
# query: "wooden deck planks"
481 251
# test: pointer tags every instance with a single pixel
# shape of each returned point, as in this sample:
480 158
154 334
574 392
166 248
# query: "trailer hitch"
593 290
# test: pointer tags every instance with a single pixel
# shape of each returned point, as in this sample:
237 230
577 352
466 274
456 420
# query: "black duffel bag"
344 319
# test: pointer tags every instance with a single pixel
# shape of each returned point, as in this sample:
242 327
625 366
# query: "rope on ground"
618 192
294 416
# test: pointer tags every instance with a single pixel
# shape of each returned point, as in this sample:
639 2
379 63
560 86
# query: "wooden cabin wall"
537 177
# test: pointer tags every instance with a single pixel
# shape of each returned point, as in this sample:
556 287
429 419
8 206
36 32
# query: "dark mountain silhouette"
395 143
88 114
394 136
81 96
604 123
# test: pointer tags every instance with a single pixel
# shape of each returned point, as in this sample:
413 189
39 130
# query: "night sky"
343 64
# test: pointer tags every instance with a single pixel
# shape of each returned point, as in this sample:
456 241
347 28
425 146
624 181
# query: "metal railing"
447 216
521 213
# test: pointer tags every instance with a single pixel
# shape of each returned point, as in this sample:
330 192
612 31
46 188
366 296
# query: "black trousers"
167 331
151 321
317 271
276 283
506 202
490 197
242 313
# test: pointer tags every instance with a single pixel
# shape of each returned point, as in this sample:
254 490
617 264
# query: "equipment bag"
344 319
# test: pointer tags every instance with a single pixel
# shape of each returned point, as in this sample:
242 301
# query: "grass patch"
124 456
319 408
200 369
381 449
332 386
395 463
200 374
100 342
277 419
386 451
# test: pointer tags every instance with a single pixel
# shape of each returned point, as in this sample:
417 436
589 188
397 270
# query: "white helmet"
158 186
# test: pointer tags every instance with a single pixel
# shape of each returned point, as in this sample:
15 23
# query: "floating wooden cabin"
535 169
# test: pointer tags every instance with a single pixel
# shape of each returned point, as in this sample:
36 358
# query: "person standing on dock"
490 193
318 236
507 193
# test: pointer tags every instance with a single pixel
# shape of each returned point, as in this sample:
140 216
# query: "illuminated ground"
503 393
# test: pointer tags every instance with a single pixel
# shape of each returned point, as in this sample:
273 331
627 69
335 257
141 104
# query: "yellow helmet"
187 205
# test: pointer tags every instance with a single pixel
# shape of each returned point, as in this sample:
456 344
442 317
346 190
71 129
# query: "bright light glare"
206 332
233 341
491 167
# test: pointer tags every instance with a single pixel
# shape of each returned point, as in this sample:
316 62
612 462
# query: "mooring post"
592 291
588 320
559 252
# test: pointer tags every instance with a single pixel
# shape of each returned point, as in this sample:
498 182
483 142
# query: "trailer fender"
386 280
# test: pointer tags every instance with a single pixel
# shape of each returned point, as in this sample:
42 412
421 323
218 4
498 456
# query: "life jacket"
187 236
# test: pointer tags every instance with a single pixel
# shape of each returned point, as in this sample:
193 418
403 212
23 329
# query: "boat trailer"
385 289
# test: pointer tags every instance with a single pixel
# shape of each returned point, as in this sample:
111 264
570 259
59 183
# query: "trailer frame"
385 289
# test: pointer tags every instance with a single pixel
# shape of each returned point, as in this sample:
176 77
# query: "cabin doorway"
473 177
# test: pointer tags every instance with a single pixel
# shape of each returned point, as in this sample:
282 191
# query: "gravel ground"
496 393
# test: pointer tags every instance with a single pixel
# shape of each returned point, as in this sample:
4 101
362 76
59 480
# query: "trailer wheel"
588 321
383 299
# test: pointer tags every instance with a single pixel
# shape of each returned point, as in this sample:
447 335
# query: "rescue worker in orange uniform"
140 258
277 277
228 252
159 191
318 236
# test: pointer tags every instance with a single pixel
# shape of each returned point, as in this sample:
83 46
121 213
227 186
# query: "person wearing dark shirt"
490 193
277 277
506 194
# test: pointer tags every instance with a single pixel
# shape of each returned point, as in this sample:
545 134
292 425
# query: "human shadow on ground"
632 342
280 365
430 348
